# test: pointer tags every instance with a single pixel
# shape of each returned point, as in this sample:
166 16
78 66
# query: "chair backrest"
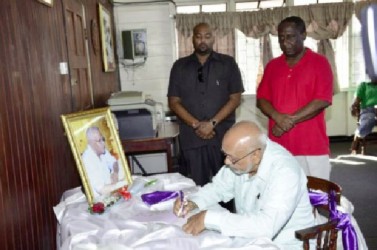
326 186
326 233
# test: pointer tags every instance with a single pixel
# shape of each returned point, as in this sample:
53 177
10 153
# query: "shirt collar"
213 56
264 169
307 54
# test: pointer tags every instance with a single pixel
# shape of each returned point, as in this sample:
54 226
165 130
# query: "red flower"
124 193
98 208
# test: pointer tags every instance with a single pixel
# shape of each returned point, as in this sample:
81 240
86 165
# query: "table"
134 225
167 133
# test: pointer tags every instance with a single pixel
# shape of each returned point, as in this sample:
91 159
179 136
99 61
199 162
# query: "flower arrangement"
100 207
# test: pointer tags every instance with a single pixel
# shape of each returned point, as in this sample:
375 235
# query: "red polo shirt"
289 89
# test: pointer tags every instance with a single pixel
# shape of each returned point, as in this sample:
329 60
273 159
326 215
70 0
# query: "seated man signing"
267 183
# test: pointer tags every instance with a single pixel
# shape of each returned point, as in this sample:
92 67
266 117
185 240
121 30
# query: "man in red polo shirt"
294 92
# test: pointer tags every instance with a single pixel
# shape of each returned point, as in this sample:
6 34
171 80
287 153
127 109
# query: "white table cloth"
134 225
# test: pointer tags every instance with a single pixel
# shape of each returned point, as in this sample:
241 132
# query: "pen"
150 183
182 203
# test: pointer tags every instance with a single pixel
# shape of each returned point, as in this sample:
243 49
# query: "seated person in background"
364 108
101 167
267 183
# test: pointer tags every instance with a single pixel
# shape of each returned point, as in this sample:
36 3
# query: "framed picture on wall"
47 2
107 40
140 42
98 153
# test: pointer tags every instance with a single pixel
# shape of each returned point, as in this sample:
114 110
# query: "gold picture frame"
107 40
98 152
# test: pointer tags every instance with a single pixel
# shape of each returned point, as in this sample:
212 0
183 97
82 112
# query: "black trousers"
202 163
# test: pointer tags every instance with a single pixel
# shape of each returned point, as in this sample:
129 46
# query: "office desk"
166 134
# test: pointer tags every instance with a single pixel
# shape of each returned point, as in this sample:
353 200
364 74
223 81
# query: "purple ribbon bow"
344 223
158 196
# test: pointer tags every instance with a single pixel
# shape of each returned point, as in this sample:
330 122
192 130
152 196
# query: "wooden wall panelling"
36 164
109 81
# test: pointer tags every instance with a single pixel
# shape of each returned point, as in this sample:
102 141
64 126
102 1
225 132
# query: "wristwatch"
213 122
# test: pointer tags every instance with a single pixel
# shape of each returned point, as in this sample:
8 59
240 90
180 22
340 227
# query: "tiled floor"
358 177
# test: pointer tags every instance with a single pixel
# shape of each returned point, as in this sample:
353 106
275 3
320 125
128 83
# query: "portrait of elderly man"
102 168
267 183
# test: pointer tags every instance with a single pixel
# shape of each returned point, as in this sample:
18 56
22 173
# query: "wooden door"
78 58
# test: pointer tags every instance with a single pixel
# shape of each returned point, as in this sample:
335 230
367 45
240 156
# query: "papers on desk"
134 225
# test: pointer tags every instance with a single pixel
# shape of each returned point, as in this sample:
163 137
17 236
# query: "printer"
136 117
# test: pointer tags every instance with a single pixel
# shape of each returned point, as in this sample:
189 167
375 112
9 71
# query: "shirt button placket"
290 73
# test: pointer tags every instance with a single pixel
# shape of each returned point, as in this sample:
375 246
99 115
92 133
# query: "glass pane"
304 2
247 6
358 73
330 1
271 4
248 60
276 51
188 9
214 7
340 46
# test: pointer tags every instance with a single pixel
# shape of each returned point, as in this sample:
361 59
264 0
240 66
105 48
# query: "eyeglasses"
234 162
200 74
100 140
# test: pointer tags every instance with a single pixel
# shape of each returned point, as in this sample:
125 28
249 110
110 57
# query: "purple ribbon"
344 222
158 196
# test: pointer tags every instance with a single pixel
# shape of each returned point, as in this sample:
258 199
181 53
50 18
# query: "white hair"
91 131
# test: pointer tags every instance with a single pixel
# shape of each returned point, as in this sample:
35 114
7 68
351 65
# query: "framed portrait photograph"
107 40
98 153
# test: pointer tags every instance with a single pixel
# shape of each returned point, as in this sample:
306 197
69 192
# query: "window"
201 8
248 59
188 9
249 6
248 50
256 5
306 2
357 63
214 8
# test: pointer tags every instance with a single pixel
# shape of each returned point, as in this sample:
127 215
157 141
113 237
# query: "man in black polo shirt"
204 91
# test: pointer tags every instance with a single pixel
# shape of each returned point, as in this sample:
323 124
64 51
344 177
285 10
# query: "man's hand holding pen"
194 224
182 208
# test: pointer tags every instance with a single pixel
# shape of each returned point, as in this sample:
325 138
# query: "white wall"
152 77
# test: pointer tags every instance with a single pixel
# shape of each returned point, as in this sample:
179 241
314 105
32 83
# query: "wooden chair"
325 234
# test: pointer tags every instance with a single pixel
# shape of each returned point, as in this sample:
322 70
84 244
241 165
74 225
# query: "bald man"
204 91
268 186
101 167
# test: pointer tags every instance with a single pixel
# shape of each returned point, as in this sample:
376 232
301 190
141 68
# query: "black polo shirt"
204 90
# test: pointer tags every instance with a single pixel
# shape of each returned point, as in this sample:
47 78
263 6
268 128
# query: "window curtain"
323 22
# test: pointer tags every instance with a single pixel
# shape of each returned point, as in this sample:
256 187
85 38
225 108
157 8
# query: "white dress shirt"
99 169
274 203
